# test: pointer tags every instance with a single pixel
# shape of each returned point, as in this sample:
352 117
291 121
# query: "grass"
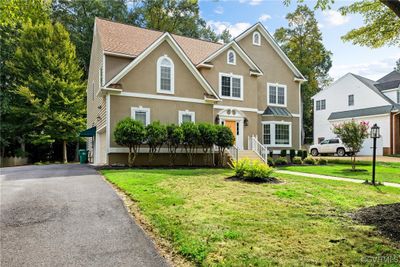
384 172
214 222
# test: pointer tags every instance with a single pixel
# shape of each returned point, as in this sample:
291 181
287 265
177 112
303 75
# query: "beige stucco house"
248 84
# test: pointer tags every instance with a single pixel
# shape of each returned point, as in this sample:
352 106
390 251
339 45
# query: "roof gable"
233 45
130 40
274 45
168 38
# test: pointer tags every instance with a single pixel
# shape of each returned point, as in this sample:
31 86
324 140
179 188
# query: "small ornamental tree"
174 139
224 140
191 136
130 133
156 136
352 135
208 135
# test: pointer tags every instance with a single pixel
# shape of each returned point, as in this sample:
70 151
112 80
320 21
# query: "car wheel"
341 152
314 152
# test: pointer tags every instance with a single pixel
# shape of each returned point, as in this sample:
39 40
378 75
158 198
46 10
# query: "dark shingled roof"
361 112
389 81
392 76
277 111
372 85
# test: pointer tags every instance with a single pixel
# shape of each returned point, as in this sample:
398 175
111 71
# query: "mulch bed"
269 180
386 218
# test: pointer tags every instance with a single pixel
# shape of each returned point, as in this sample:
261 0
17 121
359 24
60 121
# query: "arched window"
256 38
231 57
165 75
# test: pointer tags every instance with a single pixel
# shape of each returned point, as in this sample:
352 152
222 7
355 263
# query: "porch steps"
249 154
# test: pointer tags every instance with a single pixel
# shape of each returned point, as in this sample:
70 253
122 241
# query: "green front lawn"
385 172
302 221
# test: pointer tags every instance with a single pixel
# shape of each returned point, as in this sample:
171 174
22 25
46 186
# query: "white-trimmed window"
231 57
165 75
141 114
320 104
276 94
186 116
398 96
277 134
256 38
351 100
231 86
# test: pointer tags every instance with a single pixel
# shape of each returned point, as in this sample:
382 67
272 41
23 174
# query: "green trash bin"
83 156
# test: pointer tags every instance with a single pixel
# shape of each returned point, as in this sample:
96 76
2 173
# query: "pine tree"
48 78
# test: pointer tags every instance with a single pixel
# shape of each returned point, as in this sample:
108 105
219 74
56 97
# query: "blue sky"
238 15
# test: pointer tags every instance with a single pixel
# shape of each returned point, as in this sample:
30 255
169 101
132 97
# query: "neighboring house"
248 84
361 99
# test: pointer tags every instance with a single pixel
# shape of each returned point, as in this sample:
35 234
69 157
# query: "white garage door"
366 150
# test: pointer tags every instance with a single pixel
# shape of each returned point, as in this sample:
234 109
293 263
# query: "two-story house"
353 97
248 85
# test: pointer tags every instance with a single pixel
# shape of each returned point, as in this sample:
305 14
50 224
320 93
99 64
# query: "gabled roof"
131 40
361 112
274 45
371 84
392 76
239 50
389 81
178 50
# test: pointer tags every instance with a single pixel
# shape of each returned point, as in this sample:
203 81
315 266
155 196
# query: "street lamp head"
375 131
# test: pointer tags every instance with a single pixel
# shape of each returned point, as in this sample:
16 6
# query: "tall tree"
175 16
381 21
302 42
13 14
78 16
397 67
48 77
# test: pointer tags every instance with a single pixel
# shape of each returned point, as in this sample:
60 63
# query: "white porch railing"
234 152
260 149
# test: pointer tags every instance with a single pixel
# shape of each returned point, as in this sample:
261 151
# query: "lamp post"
374 134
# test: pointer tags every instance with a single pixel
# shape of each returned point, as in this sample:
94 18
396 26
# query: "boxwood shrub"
309 160
281 161
297 160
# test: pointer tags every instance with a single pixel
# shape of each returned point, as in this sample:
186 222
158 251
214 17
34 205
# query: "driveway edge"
163 246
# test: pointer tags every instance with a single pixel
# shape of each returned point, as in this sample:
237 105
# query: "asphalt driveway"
67 215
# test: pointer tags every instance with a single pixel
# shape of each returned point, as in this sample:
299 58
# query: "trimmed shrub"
130 133
156 136
309 160
322 161
208 136
283 153
270 161
240 167
191 139
304 154
280 161
271 153
224 139
292 154
257 170
174 139
300 153
297 160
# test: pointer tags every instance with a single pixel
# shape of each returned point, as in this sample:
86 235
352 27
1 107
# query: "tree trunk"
65 160
76 159
353 163
394 5
130 157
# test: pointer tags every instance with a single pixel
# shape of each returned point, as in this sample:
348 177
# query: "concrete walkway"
327 177
67 215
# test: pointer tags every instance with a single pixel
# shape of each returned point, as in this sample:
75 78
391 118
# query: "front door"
237 130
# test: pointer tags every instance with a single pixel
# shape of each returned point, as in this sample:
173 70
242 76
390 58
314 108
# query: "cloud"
251 2
234 29
264 17
320 25
334 18
219 10
372 70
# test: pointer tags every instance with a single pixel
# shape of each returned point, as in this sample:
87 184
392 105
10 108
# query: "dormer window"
165 75
256 38
231 57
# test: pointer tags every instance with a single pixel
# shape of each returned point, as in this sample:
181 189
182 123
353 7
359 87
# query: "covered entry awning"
88 132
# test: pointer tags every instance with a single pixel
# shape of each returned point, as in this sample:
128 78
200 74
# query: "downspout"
393 132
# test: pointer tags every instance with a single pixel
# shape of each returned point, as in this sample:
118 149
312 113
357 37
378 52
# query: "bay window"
277 134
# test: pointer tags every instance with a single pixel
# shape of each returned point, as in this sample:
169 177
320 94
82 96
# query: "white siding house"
353 97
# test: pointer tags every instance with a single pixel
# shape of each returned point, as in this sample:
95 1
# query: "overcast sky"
238 15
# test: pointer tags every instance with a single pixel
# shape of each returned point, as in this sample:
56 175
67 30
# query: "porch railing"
234 152
260 149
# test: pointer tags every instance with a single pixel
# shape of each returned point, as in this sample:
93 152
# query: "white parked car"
330 146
